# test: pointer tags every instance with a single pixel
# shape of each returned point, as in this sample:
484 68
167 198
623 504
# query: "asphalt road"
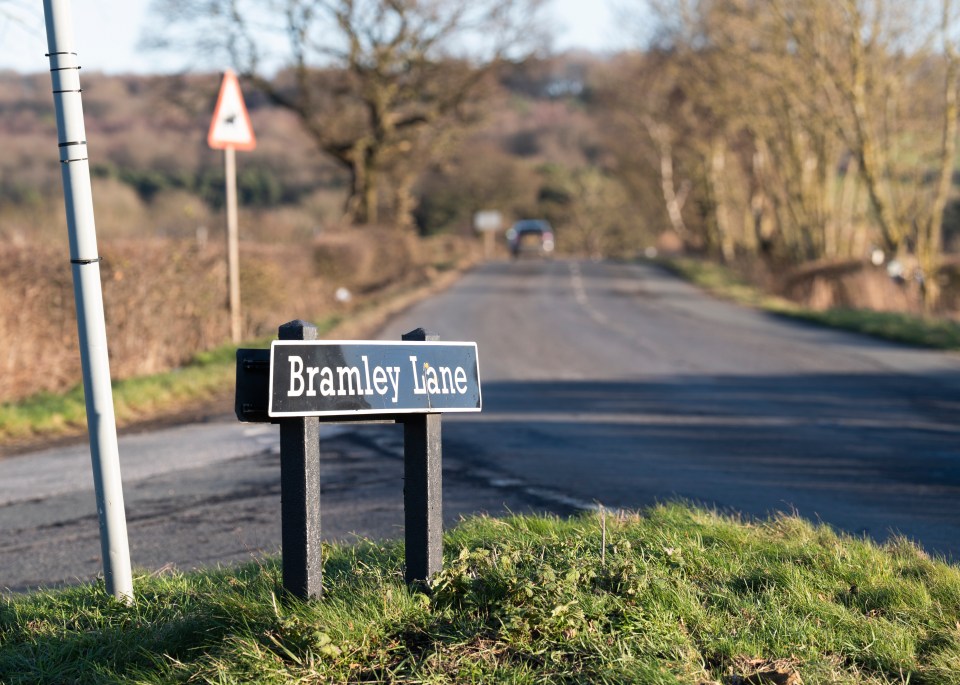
603 383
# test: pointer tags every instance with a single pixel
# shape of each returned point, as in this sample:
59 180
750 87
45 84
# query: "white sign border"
374 412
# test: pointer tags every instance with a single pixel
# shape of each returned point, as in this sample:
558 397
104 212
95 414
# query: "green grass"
206 375
939 334
676 595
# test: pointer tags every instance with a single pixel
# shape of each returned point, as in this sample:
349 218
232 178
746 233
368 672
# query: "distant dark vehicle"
530 236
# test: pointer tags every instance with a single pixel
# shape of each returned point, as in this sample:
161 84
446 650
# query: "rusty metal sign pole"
78 198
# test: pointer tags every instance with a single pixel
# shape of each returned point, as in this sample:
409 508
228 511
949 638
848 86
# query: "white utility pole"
78 198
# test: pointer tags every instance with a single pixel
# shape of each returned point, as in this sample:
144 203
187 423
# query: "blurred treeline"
158 195
780 134
811 144
791 133
531 146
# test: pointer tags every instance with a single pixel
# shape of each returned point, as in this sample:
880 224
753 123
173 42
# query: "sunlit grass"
675 595
894 326
912 330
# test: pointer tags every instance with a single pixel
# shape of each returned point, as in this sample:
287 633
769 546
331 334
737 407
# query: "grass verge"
675 595
45 416
205 376
897 327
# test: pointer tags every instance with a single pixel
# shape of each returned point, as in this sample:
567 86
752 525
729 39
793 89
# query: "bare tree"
20 12
871 59
794 151
930 227
799 105
373 82
652 127
597 219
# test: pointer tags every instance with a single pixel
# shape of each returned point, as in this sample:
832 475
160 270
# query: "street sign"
230 130
488 220
347 378
301 381
230 126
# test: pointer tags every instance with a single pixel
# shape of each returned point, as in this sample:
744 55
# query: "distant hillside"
155 174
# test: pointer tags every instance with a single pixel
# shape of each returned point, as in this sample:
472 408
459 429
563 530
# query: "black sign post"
300 492
302 381
422 489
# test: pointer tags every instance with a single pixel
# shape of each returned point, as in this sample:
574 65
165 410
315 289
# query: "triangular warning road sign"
230 126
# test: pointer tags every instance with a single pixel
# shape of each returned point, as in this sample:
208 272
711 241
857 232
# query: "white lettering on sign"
348 373
326 382
441 380
394 373
373 380
296 377
351 378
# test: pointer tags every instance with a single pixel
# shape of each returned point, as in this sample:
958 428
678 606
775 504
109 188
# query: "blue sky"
108 32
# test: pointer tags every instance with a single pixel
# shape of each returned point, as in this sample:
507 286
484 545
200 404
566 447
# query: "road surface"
603 383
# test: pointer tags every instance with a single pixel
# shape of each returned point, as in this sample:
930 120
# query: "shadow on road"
869 453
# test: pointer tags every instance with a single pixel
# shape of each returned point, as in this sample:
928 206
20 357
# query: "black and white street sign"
301 381
336 378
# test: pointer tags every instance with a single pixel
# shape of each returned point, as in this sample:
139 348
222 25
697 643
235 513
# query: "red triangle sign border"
230 126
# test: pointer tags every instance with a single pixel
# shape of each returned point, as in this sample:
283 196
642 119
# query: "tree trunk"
370 206
930 239
869 155
403 200
362 204
717 169
673 200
